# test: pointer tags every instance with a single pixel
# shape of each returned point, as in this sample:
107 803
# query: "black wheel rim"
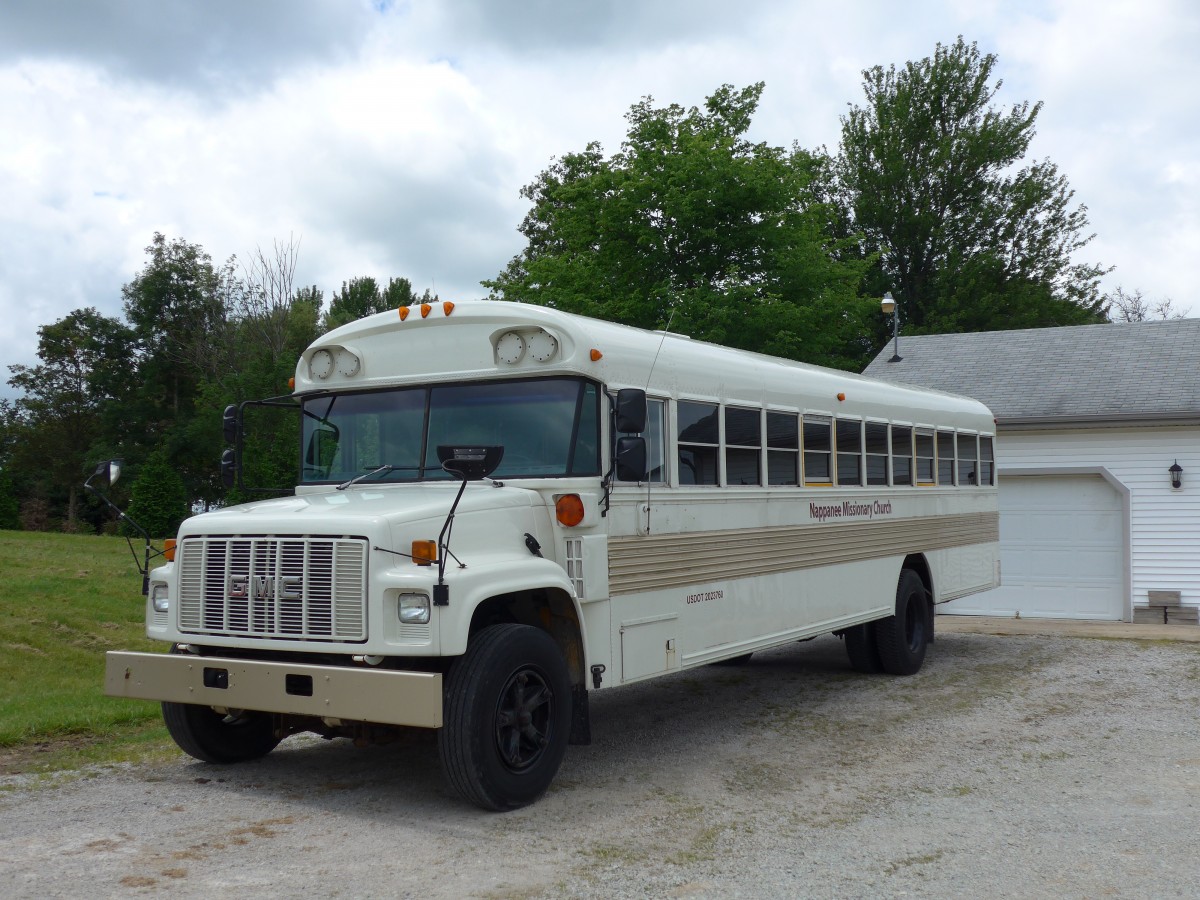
524 717
914 624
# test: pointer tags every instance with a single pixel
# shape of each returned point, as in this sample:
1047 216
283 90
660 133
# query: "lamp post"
890 308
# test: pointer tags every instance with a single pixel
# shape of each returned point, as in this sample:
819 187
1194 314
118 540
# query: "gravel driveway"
1010 766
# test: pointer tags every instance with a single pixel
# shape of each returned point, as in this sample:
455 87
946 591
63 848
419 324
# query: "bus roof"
474 340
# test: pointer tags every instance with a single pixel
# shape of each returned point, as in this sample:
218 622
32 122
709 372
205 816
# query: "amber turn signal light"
569 510
424 553
169 549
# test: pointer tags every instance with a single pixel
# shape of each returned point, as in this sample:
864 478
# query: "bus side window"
945 454
656 445
656 441
987 463
699 442
818 450
783 448
926 465
902 455
968 454
849 451
743 446
877 453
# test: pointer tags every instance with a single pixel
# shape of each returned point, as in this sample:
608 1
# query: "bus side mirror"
631 411
108 472
631 459
228 468
229 423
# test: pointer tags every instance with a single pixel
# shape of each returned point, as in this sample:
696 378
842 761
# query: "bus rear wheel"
214 737
862 649
507 717
902 639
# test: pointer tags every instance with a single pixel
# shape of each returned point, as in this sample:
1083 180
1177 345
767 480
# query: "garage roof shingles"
1139 370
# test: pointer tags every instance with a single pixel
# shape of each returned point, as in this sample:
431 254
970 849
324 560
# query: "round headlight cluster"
327 361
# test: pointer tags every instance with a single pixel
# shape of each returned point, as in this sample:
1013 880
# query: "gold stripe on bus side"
660 561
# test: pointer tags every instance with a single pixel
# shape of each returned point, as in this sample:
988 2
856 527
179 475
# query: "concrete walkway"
948 624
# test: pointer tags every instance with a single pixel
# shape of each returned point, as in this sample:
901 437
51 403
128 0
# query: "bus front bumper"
384 696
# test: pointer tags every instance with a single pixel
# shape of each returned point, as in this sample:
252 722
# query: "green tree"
358 297
9 509
84 368
967 241
159 499
177 309
692 224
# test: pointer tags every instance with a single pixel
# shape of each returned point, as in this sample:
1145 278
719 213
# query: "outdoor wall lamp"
1176 473
890 308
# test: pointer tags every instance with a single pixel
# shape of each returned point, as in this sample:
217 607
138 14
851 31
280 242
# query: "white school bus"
501 508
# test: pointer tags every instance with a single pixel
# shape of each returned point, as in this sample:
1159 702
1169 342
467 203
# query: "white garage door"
1061 551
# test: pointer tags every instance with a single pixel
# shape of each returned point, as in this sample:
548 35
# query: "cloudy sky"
393 137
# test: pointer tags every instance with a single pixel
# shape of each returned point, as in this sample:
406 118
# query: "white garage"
1098 456
1062 551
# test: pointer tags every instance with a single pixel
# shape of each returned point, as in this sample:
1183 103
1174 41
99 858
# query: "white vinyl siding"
1162 524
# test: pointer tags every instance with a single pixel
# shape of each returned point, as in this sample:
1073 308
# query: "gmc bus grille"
302 588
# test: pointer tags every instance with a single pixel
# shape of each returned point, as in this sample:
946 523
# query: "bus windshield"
549 427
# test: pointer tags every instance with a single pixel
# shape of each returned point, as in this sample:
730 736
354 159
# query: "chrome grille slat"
292 588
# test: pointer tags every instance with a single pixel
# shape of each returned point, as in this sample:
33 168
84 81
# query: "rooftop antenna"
649 376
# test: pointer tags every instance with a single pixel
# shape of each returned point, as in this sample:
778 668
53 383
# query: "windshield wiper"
365 475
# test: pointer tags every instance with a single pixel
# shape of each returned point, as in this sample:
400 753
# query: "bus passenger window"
902 455
849 451
967 459
877 453
945 454
699 441
926 467
656 445
818 450
743 446
783 448
987 463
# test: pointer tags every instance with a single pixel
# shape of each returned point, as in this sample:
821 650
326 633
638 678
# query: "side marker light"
596 355
424 553
569 510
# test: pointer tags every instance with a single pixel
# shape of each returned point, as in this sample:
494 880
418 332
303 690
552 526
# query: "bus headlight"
413 609
158 595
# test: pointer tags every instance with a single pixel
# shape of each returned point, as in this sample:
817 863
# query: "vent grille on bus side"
304 589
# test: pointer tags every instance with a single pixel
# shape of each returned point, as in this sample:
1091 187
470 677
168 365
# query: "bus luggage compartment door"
648 646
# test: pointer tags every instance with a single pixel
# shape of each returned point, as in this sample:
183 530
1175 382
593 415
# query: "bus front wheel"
216 737
901 639
507 717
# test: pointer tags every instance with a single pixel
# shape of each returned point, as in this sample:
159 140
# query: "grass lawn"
66 600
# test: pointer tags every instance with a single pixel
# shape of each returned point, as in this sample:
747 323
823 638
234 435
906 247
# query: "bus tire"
214 737
507 717
862 649
903 638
